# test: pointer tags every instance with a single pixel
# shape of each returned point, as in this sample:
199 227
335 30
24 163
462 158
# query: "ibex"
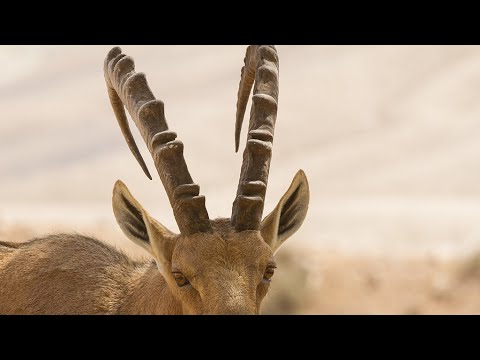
221 266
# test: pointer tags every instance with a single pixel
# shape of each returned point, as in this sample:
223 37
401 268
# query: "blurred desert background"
389 137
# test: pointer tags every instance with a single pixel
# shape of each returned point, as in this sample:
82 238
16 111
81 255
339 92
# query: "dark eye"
180 279
269 272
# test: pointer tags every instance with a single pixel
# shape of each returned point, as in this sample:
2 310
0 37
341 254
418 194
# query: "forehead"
223 247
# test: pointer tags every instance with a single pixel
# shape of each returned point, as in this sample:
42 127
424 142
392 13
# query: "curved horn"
260 70
130 89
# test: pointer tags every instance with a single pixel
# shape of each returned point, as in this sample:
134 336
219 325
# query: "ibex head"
221 266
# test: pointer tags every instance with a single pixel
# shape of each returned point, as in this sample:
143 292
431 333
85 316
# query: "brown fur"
75 274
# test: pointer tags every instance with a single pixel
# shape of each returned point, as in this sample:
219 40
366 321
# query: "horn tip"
238 129
142 163
147 173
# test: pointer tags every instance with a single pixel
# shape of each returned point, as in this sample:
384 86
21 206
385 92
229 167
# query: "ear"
139 226
288 215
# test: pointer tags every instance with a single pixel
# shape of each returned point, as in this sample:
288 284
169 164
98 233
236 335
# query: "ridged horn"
129 89
261 71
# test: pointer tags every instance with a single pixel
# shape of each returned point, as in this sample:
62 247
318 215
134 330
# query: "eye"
180 279
269 272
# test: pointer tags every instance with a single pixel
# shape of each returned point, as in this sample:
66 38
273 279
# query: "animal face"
224 271
221 273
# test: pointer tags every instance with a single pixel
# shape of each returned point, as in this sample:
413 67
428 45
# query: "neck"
149 294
